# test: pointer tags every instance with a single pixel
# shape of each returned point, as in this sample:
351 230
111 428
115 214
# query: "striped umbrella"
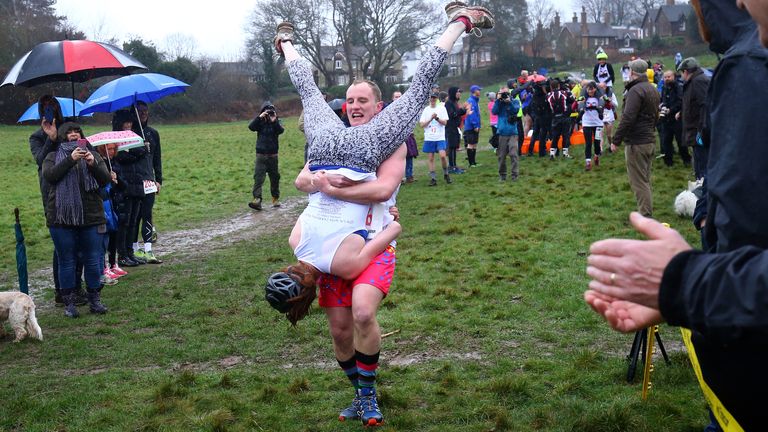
70 60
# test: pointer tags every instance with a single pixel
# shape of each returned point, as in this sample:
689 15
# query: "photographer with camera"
267 127
671 126
506 109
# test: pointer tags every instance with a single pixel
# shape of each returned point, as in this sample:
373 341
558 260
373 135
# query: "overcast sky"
218 26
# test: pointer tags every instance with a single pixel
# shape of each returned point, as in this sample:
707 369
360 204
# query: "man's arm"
389 175
628 117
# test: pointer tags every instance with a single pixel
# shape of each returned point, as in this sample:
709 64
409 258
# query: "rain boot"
80 297
94 301
57 298
70 308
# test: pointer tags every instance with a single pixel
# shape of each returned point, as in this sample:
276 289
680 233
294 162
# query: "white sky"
218 26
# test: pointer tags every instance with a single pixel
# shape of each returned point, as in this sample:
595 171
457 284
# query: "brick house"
336 62
669 20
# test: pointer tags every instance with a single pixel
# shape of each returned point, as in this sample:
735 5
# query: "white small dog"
685 202
19 310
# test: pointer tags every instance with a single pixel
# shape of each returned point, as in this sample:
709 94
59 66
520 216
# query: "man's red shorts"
337 292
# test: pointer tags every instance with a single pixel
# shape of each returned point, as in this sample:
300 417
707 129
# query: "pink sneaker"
117 271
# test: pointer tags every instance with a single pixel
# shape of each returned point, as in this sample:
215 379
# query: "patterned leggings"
363 147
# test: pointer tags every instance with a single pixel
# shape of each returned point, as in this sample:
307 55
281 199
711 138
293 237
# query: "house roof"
675 13
593 29
328 52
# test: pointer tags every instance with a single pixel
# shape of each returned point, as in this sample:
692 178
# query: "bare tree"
540 11
178 45
596 9
310 21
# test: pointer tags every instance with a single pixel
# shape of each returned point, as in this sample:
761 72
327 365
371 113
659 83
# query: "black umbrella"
70 60
21 255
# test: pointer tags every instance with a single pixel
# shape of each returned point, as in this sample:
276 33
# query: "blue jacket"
473 120
505 111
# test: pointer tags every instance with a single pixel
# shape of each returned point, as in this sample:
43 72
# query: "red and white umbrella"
70 60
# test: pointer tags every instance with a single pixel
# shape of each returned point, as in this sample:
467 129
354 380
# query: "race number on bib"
149 187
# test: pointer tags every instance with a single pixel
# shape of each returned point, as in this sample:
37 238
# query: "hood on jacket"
266 105
452 93
725 22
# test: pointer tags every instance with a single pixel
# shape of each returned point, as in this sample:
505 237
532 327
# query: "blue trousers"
85 241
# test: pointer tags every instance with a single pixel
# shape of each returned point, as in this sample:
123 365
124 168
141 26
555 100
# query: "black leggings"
145 219
127 217
589 138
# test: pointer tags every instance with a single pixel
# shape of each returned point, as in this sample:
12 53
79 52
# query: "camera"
504 96
271 112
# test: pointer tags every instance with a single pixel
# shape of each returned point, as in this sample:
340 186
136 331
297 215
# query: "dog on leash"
685 202
19 310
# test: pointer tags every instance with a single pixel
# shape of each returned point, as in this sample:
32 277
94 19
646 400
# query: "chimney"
607 19
584 28
670 2
575 18
557 21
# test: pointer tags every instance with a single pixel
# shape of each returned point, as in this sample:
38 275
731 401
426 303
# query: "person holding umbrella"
42 142
153 173
75 213
131 166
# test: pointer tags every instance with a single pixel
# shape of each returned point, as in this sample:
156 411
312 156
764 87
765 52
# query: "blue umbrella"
32 112
125 91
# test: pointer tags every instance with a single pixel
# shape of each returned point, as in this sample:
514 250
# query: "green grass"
494 334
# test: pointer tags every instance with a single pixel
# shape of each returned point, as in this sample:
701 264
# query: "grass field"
493 332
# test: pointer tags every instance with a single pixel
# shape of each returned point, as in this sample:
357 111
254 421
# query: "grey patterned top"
363 147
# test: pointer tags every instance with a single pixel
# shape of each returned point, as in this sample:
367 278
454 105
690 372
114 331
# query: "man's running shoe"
370 414
152 258
352 412
284 34
476 17
452 8
140 254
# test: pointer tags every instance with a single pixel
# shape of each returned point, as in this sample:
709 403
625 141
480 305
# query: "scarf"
69 202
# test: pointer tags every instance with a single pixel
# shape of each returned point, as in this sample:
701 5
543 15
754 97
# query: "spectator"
625 73
671 126
132 165
515 90
506 108
412 150
452 132
153 179
493 121
693 112
42 142
678 60
472 125
74 214
267 127
433 120
640 112
108 193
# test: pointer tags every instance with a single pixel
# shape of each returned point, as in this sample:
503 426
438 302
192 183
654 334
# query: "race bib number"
149 187
374 222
